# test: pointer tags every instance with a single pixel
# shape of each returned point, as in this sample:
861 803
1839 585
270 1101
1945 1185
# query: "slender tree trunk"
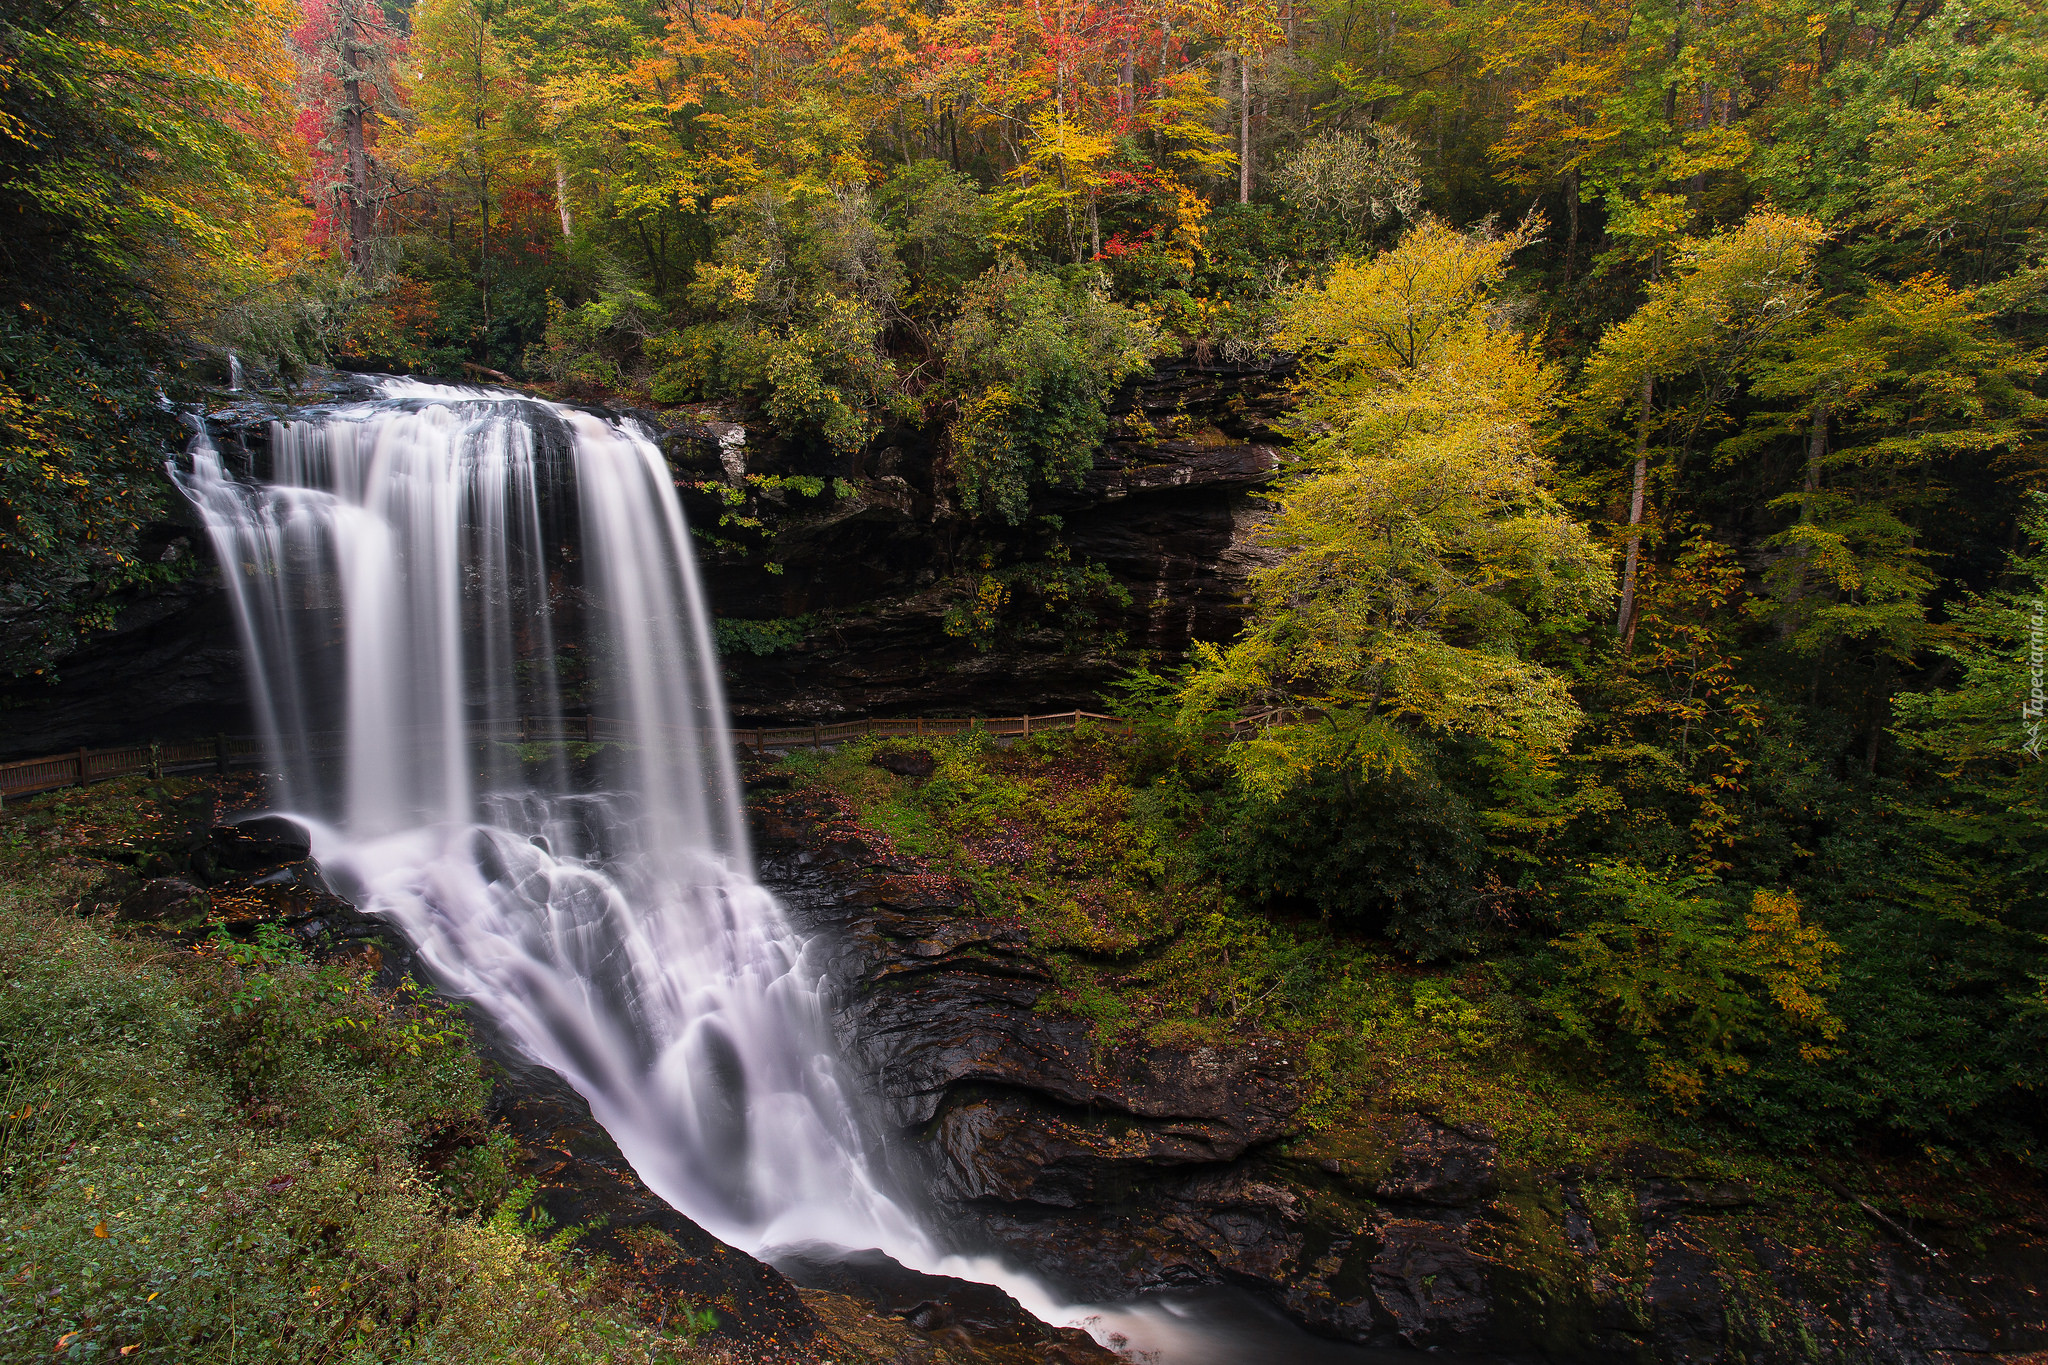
483 251
562 199
483 180
1571 215
1816 451
1059 109
1625 621
361 208
1223 83
1244 130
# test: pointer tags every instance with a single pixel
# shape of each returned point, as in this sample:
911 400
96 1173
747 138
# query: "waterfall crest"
417 574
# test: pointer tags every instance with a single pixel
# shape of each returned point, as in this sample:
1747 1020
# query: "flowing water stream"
415 575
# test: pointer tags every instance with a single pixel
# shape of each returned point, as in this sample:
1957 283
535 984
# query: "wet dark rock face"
1116 1172
942 1310
583 1180
1171 520
171 668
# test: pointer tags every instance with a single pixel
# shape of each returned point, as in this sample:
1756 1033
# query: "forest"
1653 603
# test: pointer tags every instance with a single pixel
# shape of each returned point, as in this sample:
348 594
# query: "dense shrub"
1393 855
1666 973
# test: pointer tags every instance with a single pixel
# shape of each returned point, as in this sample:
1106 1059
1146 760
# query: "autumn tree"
473 127
1727 296
1031 360
348 91
1421 545
141 171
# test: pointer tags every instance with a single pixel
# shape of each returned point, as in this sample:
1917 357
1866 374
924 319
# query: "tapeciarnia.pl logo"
2031 709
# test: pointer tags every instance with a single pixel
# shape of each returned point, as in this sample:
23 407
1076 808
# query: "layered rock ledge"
1117 1171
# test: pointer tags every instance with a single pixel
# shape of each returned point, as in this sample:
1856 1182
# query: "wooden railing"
80 766
76 768
825 736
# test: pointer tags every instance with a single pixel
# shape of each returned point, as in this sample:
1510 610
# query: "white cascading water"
401 578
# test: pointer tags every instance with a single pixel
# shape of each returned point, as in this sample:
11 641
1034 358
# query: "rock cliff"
1113 1172
862 586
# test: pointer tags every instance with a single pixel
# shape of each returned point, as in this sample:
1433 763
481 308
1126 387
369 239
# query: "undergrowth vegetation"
1577 1019
1129 890
224 1151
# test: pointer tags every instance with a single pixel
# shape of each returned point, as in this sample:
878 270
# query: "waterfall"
417 574
234 373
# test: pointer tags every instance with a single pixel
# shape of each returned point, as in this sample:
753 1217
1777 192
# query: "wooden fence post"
1027 727
817 736
590 728
156 762
81 767
220 753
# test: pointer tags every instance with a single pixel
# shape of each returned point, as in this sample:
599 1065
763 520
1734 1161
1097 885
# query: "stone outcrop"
1166 511
582 1180
1014 1105
889 1312
1113 1172
1170 518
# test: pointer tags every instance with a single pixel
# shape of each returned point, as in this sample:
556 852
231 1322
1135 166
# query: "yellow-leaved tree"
1421 547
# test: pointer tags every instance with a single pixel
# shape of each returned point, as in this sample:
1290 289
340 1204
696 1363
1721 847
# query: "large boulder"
167 903
258 844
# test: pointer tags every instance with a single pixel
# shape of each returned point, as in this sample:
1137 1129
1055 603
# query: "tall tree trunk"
562 199
1816 451
1625 621
362 210
1244 130
1223 84
1571 215
483 253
